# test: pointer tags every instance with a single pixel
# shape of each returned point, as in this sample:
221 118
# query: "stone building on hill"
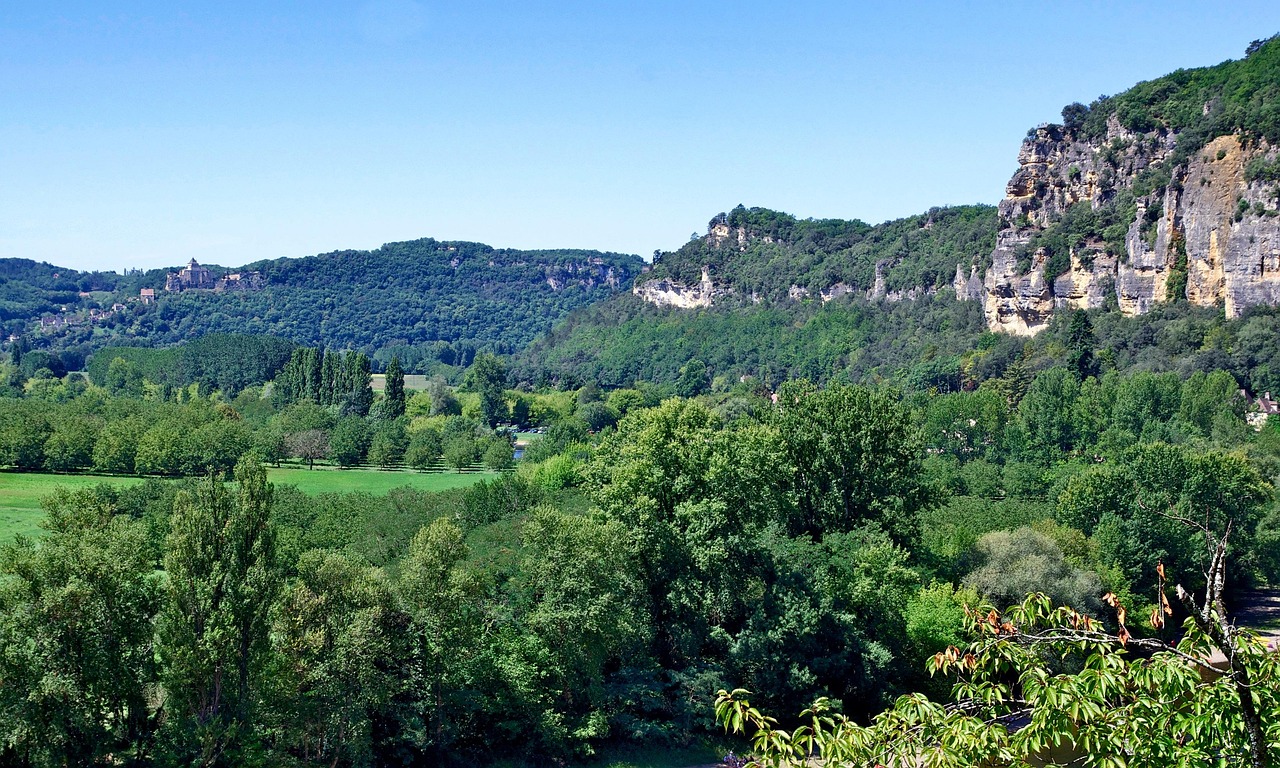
191 277
194 277
240 281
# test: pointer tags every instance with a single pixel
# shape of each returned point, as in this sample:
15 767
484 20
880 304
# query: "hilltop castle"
194 277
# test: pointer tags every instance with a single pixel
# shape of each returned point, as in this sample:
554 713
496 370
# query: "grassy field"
21 492
414 381
20 495
373 481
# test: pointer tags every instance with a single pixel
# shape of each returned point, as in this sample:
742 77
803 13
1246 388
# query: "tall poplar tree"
488 376
359 380
394 391
221 581
328 378
313 373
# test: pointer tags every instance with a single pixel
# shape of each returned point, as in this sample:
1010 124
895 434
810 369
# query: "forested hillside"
931 342
29 289
761 254
1124 210
422 291
423 300
775 314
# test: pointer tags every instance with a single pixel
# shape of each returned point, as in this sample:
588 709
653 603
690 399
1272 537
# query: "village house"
1260 408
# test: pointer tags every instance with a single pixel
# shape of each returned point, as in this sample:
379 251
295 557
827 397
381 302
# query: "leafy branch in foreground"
1041 684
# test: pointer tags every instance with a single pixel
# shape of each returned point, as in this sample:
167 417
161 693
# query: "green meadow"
375 481
415 381
22 492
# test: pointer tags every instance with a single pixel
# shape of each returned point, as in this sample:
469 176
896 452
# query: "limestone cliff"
669 293
587 274
754 256
1165 192
1208 233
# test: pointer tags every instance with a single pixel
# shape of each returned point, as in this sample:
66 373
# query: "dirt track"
1259 611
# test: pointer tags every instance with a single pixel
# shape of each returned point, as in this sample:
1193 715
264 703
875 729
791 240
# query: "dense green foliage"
934 343
1235 97
625 340
776 251
229 362
1046 685
63 426
429 302
330 379
822 545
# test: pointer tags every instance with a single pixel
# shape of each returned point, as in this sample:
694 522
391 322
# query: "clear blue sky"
142 134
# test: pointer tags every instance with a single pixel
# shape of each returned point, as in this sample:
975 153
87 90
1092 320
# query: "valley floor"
22 492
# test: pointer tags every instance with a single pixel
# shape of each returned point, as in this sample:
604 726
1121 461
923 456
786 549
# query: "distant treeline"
70 427
431 303
932 342
329 378
227 362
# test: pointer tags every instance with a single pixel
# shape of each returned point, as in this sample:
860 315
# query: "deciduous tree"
221 582
76 613
394 390
855 458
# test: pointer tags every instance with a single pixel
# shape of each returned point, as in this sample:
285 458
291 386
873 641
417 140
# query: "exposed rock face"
836 291
1233 255
877 290
588 274
1208 223
1085 286
668 293
720 233
1015 303
967 288
1126 220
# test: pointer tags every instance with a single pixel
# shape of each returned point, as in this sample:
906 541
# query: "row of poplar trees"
328 378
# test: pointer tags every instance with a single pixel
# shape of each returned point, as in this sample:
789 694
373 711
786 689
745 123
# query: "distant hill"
759 254
1159 205
1156 208
767 295
29 289
424 299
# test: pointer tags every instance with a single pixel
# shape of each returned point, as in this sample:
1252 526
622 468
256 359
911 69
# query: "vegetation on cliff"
763 253
1181 113
1235 97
